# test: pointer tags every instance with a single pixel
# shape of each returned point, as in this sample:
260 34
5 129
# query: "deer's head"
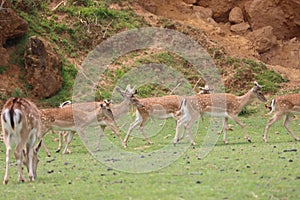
105 109
35 159
257 90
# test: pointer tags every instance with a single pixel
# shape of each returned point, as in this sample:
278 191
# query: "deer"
159 107
118 110
21 124
62 118
283 105
224 105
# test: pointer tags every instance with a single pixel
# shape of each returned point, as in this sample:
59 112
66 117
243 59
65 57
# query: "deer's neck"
121 108
246 99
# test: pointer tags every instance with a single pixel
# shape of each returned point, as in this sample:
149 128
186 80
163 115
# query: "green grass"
239 170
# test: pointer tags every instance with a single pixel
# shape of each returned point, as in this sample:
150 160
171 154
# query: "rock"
236 15
212 21
220 9
11 25
263 39
151 7
202 12
240 28
43 67
283 16
4 57
190 1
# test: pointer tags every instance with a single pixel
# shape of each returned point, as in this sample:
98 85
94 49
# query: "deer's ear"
107 101
257 85
128 87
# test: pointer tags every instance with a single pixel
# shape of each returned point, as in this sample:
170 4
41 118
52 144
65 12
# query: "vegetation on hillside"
74 29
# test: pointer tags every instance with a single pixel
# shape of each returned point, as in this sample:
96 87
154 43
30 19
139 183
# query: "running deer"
118 110
21 123
63 118
283 106
158 107
219 105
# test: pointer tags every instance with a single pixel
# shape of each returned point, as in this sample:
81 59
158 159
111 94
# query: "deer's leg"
101 134
184 130
29 152
274 119
235 118
184 120
145 119
137 121
115 129
68 138
287 126
178 125
60 135
188 130
46 149
7 143
18 156
225 123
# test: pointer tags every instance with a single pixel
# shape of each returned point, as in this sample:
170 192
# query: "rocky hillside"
264 30
42 44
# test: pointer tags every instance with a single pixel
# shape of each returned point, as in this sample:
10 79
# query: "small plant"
17 93
2 69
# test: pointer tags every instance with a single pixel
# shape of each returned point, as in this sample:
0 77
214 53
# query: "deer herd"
25 125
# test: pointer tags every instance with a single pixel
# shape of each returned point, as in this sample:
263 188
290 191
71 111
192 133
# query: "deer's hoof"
149 142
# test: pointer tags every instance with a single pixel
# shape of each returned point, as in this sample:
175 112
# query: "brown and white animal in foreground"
219 105
158 107
283 105
21 123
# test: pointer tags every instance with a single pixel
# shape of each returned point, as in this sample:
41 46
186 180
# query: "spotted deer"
21 124
283 105
158 107
118 110
223 105
63 118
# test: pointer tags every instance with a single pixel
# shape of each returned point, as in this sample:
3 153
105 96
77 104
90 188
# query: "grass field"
239 170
